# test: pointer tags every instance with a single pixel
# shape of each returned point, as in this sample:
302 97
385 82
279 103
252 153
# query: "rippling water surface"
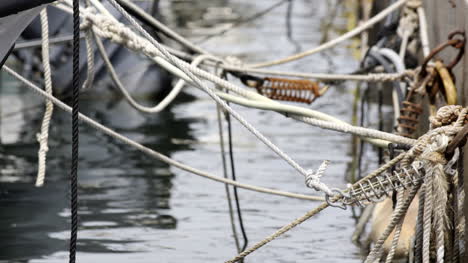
136 209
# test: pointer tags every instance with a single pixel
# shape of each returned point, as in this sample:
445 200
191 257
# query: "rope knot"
86 24
312 179
434 157
446 115
42 139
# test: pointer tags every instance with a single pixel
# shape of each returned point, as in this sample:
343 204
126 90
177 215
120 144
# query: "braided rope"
419 227
396 233
90 61
440 188
427 217
75 131
397 215
43 136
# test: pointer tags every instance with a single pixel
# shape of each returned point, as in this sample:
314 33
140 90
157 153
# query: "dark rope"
75 132
233 174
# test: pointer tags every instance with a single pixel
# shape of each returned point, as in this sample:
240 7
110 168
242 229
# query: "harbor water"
136 209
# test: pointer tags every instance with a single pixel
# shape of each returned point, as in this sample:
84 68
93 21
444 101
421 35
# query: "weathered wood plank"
443 18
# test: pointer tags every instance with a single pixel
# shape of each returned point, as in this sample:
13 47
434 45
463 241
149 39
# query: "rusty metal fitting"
296 90
457 43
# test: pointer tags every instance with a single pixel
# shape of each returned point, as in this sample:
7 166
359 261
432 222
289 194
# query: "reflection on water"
136 209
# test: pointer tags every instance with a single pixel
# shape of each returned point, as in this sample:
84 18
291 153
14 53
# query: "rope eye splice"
295 90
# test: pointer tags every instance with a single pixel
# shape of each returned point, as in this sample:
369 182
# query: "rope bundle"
427 158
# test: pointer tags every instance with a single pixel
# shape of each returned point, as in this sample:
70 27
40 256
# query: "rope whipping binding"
75 131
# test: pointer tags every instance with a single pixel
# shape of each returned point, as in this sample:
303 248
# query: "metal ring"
338 192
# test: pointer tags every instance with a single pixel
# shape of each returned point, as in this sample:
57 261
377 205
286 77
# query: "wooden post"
444 18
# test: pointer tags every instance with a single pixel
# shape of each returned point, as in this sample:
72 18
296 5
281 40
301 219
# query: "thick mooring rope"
396 233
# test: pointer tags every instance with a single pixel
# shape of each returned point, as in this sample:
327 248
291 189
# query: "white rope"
400 67
423 31
149 151
190 70
406 27
396 232
43 136
312 179
321 120
350 34
112 29
88 83
371 77
163 103
123 35
165 29
379 138
376 77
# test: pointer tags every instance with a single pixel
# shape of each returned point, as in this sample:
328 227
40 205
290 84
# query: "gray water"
136 209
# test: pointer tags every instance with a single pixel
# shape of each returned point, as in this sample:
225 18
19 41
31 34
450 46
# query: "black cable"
75 132
233 174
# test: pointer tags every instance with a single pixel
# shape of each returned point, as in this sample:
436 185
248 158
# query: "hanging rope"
236 193
43 136
75 131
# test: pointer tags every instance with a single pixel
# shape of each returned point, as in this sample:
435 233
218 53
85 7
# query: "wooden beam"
444 18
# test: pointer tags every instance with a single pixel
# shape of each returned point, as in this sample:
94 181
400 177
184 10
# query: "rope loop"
312 179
